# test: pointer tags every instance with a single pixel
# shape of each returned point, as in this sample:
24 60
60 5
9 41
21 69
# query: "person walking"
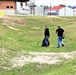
60 34
46 37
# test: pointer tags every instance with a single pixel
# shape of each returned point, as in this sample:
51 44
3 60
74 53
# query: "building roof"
56 8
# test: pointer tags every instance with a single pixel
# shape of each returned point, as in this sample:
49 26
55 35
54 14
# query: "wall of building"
66 12
22 9
8 12
8 5
39 11
74 11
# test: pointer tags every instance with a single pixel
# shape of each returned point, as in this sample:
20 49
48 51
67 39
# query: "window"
11 6
7 6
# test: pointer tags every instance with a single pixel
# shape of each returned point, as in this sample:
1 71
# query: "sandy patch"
42 57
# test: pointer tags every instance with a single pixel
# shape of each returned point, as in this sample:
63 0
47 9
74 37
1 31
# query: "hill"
20 46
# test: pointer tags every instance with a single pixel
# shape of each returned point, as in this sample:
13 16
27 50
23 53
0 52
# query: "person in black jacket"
46 37
60 34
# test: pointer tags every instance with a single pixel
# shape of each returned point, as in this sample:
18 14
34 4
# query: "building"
60 11
9 6
74 11
22 8
39 10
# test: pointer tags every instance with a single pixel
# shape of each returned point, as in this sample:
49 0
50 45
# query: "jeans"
47 40
60 41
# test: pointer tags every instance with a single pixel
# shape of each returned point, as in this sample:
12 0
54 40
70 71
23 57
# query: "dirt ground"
22 58
42 57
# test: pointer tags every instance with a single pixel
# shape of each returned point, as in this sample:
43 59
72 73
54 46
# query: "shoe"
63 45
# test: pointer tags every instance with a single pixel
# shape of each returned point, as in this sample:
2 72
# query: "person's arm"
56 32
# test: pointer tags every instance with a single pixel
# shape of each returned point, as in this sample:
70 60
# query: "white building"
66 12
61 11
74 11
22 10
39 10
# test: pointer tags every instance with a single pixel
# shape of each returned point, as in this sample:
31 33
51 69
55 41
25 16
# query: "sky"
54 2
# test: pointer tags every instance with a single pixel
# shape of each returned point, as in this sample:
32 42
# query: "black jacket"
60 32
46 33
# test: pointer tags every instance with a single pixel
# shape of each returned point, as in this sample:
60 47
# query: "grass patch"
68 68
29 38
31 33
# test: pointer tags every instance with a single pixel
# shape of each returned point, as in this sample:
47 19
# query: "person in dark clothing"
60 34
46 37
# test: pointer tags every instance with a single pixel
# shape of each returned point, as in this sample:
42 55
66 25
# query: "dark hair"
45 26
59 26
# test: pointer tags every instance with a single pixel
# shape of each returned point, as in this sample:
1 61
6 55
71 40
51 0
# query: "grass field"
25 33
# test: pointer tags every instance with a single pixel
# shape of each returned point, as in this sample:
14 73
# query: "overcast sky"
54 2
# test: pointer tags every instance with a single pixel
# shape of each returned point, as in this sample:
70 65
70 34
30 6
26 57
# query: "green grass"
68 68
29 38
31 34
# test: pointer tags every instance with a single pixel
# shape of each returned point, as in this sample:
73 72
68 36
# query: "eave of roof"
56 8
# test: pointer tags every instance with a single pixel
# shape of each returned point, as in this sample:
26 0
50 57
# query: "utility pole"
34 8
50 8
65 7
43 8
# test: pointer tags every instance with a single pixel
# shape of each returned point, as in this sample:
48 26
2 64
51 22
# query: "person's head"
59 27
45 27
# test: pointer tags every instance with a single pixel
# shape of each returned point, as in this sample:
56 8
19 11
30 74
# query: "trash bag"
45 43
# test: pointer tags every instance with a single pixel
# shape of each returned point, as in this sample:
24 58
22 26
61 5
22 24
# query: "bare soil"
42 57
